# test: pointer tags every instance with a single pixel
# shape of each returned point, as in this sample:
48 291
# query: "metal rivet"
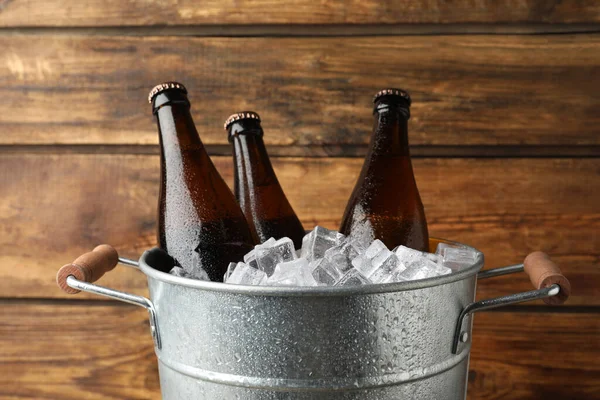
464 337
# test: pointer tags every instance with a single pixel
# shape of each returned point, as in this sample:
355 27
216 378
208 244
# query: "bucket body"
390 341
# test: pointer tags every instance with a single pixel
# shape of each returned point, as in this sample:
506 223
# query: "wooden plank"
246 12
56 207
506 240
534 356
105 352
468 90
69 352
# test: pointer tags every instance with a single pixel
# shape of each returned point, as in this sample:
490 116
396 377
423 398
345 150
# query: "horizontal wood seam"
419 151
307 30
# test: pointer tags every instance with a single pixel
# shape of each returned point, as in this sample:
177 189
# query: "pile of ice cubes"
328 258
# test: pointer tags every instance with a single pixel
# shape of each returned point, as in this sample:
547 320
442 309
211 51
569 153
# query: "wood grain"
310 92
54 208
246 12
535 356
46 353
69 352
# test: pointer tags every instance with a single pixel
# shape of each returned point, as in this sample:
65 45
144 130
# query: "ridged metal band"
165 86
241 115
395 92
307 385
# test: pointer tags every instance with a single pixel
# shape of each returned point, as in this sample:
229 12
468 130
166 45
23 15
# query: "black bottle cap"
393 92
239 117
165 86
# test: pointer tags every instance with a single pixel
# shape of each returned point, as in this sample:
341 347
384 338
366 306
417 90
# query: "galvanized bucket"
408 340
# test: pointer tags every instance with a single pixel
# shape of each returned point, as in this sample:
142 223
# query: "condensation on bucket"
342 345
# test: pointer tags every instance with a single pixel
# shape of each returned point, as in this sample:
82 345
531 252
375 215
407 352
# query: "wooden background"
505 138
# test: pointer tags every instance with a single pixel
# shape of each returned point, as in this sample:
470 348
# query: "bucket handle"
551 286
81 274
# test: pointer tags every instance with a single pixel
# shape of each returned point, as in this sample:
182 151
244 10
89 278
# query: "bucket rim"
299 291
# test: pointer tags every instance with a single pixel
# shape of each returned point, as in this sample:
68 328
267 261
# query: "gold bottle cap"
393 92
239 116
165 86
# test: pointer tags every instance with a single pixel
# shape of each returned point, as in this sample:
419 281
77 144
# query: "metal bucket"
407 340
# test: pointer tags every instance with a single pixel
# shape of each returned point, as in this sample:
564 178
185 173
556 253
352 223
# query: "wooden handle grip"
89 267
543 272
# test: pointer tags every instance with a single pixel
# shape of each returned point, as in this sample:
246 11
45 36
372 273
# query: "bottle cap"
165 86
240 116
392 92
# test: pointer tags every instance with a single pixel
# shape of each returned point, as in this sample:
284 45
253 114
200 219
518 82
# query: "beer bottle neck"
390 131
251 158
176 127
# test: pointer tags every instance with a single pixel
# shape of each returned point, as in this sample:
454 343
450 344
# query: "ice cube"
250 258
441 270
291 273
342 255
305 275
433 257
406 253
411 273
421 269
282 277
456 258
269 242
357 244
230 269
325 272
362 263
389 268
251 255
352 278
374 257
318 241
441 247
375 248
243 274
419 265
267 257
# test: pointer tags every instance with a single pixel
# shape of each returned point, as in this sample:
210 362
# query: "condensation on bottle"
200 223
256 186
385 203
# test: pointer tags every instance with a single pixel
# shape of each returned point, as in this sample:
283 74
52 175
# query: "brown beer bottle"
199 222
385 203
257 189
